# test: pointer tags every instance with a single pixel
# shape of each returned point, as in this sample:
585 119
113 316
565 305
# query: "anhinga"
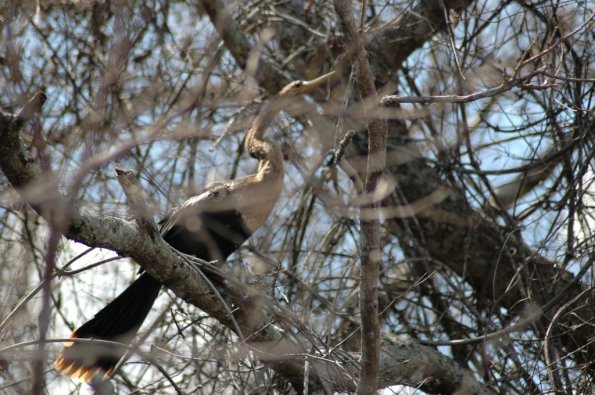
209 226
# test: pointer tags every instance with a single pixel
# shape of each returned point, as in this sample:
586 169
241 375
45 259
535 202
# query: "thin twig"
533 314
451 39
503 87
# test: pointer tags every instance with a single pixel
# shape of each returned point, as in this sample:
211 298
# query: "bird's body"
210 226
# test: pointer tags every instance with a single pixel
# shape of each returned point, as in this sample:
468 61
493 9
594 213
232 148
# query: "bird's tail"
119 321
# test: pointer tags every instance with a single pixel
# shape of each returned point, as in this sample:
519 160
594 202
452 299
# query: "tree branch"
370 237
504 87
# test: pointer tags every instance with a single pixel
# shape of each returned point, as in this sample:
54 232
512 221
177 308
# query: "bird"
210 226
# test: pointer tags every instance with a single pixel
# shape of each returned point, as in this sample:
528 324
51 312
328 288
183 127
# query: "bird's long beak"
307 86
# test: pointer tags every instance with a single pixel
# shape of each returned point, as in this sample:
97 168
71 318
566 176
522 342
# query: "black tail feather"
119 321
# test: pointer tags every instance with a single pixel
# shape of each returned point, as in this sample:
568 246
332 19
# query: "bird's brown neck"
268 154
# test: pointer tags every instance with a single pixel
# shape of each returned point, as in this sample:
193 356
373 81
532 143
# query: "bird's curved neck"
268 154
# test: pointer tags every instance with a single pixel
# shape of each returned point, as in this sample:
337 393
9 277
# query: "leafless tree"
442 185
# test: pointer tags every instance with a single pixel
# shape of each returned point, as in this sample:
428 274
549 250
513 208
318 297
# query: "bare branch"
370 267
504 87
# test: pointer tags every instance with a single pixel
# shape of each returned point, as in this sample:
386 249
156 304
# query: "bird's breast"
256 201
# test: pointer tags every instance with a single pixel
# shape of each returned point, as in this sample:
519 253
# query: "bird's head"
297 88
